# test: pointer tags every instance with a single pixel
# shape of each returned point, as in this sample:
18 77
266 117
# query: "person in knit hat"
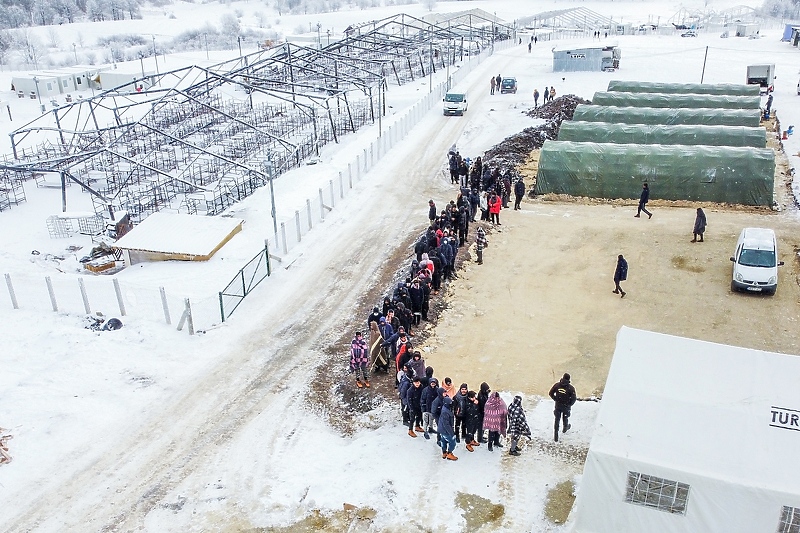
446 431
459 405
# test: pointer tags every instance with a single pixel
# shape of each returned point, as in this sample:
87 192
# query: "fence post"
119 297
266 254
350 174
341 186
186 317
321 205
221 307
84 296
308 210
165 305
333 197
244 283
283 238
11 292
297 223
52 293
358 167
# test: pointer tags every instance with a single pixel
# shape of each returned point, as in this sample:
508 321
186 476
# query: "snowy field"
149 429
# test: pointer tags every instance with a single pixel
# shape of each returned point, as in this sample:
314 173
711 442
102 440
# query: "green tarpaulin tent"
651 115
734 175
675 100
683 88
605 132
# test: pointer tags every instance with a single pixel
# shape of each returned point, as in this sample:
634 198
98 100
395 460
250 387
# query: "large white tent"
691 437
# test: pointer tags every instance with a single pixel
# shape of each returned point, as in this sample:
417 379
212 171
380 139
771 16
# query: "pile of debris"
515 150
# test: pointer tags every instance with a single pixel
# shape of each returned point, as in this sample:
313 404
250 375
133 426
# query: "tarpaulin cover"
652 115
720 101
683 88
723 174
605 132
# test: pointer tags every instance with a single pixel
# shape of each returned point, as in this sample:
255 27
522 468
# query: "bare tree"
29 46
53 40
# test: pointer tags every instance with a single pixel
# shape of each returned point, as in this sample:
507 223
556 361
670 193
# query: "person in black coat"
436 279
620 274
459 403
563 393
483 396
471 420
474 201
431 211
374 316
429 395
417 296
643 199
699 225
413 396
421 247
519 192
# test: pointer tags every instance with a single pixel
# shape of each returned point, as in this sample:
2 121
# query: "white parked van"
755 261
455 104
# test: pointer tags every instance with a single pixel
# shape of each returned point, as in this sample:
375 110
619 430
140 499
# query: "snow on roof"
585 46
179 234
707 409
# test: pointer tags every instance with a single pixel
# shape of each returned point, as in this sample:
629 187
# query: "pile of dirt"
515 150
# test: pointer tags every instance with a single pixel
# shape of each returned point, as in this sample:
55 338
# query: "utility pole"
38 95
270 168
75 51
703 75
430 56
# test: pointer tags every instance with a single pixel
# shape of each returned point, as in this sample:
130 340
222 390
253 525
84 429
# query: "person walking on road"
620 274
517 424
563 393
535 98
519 192
498 80
492 84
699 225
643 199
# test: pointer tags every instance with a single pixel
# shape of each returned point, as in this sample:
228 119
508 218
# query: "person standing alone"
620 274
535 98
519 192
699 225
563 393
643 199
359 359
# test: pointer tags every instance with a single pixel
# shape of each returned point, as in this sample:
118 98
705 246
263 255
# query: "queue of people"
429 406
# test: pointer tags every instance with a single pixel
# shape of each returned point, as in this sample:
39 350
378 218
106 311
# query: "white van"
455 104
755 261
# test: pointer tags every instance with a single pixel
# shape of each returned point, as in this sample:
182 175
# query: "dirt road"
541 304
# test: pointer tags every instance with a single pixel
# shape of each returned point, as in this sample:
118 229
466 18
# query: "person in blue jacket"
446 432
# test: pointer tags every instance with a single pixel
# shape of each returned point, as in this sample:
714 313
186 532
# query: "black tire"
733 287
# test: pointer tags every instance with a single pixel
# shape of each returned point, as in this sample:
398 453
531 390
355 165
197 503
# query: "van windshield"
454 97
757 258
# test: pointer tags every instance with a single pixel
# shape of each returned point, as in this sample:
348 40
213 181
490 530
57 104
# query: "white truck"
762 75
454 104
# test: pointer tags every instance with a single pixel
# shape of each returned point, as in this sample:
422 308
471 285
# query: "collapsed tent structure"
651 115
661 458
682 88
737 175
605 132
717 101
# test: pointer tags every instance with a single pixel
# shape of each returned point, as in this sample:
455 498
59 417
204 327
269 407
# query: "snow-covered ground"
148 428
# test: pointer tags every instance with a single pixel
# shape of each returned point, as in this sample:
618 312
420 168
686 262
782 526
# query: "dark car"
508 85
690 33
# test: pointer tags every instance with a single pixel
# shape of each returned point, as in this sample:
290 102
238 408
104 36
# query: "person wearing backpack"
563 393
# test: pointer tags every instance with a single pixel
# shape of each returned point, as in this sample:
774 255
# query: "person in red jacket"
495 203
